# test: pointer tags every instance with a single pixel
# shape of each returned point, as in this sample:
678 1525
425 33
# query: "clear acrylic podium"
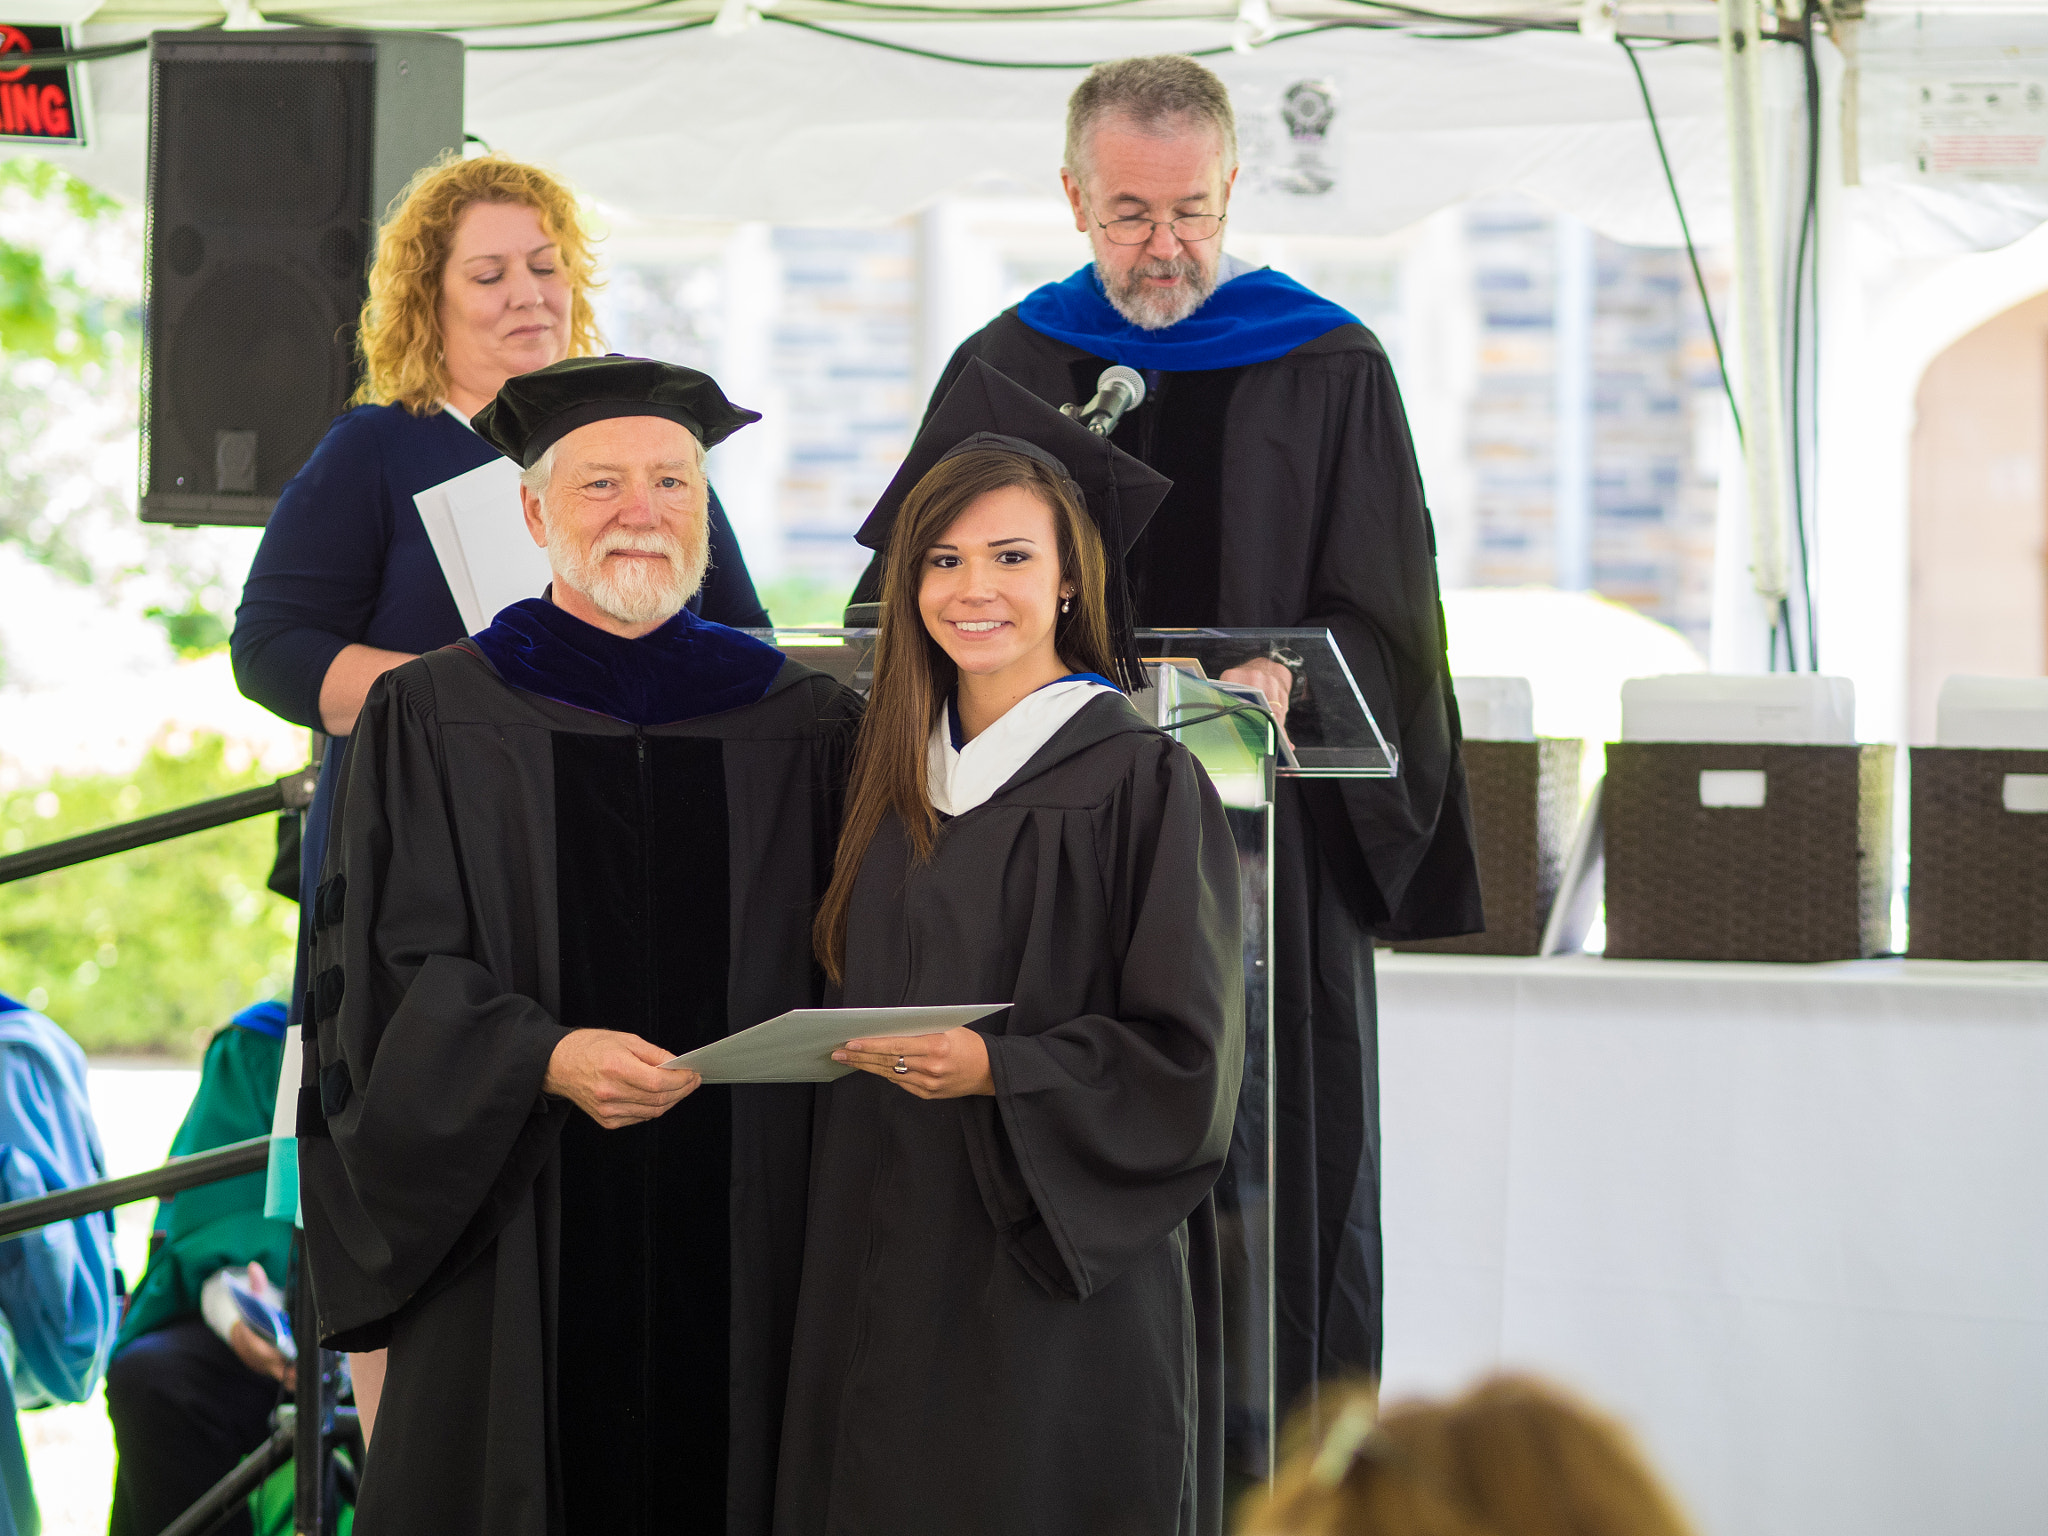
1329 733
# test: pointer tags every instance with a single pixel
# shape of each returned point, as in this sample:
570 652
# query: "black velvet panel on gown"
1327 1257
1176 567
642 1383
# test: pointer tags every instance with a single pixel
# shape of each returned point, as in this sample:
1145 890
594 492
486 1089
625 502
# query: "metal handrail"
293 792
230 1495
328 1424
325 1424
251 1156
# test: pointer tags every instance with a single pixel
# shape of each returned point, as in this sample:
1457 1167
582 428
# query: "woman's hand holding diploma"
953 1065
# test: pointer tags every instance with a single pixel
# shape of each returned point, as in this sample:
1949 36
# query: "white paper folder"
479 536
797 1047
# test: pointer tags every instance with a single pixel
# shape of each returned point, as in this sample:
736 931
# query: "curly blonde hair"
405 361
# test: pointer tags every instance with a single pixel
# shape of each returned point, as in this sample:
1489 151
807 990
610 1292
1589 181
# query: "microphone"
1119 389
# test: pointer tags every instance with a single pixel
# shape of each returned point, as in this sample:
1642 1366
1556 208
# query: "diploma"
479 536
797 1047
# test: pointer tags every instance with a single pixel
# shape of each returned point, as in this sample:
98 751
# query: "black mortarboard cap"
534 411
987 409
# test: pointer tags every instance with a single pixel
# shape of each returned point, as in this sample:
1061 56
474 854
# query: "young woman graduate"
1010 1314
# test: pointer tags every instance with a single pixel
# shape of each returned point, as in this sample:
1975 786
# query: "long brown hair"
1513 1456
405 359
914 676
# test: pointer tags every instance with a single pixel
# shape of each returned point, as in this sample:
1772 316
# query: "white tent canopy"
787 126
759 117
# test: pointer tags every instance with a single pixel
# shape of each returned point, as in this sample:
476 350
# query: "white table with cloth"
1790 1222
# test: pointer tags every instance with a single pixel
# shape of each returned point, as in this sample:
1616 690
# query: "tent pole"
1759 387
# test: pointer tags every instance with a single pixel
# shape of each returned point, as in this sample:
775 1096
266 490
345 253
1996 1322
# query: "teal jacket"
213 1226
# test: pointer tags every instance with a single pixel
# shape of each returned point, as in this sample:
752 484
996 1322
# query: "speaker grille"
260 165
271 154
254 351
264 144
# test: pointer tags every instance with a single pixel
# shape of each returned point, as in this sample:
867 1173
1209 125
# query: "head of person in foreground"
611 455
1512 1456
1151 159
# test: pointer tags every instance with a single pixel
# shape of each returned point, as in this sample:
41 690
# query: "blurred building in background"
1594 428
1561 388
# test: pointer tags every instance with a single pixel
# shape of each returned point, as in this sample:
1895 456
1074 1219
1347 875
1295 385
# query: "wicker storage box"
1806 876
1979 883
1525 808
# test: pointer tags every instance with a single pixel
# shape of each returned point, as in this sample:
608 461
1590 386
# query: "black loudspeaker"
272 155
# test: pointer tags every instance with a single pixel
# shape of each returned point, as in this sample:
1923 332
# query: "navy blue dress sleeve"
346 559
314 583
728 597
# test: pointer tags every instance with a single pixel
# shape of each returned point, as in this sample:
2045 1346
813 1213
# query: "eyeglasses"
1189 228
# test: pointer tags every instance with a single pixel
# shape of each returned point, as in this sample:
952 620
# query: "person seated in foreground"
584 841
192 1386
59 1290
1512 1456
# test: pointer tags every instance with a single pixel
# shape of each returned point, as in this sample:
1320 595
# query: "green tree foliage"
69 365
195 629
70 373
49 315
149 951
805 600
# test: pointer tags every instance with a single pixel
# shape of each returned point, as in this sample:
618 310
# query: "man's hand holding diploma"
615 1078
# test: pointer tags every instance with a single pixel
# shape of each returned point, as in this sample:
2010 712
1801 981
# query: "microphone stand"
1120 389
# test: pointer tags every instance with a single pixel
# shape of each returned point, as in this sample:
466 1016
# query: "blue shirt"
57 1284
345 559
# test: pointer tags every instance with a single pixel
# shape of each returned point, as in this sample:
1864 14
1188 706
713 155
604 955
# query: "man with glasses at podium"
1296 504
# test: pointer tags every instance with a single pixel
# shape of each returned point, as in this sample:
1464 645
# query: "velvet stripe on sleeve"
429 1073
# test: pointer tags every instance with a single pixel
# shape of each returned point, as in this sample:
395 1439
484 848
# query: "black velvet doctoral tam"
536 410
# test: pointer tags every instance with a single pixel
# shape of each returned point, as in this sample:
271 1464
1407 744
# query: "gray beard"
1149 309
635 591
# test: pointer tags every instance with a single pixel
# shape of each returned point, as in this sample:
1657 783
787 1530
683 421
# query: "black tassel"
1123 632
1123 618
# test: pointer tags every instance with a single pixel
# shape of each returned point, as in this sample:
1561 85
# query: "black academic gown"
1325 527
1011 1311
588 1328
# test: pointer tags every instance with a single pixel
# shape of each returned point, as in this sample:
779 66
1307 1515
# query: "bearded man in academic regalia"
1295 504
570 848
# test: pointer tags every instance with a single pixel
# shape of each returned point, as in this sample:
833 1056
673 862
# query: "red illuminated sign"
38 104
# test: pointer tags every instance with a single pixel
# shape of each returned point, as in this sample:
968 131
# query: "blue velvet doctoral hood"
687 668
267 1018
1253 318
